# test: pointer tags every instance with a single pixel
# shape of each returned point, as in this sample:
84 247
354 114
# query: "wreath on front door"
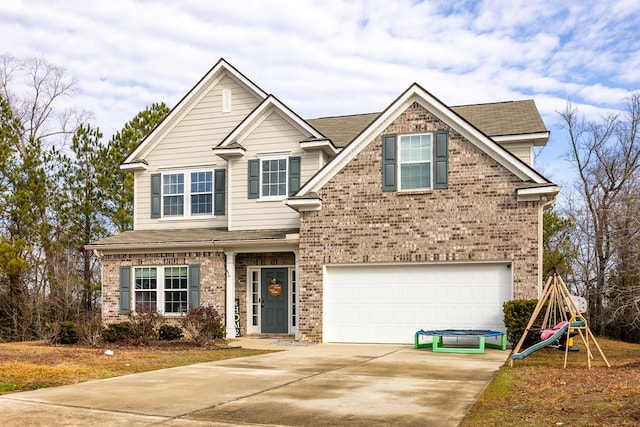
274 288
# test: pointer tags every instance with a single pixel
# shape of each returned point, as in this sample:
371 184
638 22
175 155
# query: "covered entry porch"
261 289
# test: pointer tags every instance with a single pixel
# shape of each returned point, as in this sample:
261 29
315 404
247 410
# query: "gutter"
290 239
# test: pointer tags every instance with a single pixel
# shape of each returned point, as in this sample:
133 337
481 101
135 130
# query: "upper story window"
188 194
173 194
201 193
415 162
273 177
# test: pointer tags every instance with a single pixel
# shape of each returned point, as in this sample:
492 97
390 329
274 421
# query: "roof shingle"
494 119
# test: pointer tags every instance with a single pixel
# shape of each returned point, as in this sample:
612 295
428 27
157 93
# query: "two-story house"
361 228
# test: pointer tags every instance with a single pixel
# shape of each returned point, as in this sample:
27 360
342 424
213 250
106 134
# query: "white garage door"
389 303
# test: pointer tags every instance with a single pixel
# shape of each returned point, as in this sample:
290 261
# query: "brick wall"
212 278
476 219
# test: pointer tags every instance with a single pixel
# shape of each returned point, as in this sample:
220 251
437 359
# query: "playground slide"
553 338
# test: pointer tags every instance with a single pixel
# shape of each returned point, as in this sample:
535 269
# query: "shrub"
144 325
68 333
117 332
203 324
517 314
90 329
170 332
62 333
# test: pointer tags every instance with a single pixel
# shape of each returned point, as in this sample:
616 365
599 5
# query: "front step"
272 336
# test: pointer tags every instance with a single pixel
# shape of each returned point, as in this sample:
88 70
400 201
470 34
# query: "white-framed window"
173 194
415 154
164 289
146 288
255 297
273 177
186 194
294 298
201 193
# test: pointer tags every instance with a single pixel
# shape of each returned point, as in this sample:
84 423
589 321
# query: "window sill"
414 192
187 218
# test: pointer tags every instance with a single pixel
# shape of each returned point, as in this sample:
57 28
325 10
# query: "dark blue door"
275 300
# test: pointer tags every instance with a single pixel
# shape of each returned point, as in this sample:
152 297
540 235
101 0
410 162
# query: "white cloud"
335 57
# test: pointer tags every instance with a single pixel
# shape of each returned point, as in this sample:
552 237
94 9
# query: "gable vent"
226 100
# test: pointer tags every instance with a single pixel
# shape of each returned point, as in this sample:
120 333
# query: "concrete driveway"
317 385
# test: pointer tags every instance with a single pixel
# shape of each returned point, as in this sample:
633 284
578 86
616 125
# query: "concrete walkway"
317 385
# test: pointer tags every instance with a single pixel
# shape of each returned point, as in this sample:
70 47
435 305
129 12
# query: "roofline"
546 193
290 239
538 138
270 101
150 245
183 106
133 166
304 205
227 153
324 144
344 115
416 93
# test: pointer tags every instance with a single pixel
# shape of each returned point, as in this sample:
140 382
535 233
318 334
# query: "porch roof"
191 238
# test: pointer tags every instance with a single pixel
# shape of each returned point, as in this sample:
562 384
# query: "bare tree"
606 155
36 90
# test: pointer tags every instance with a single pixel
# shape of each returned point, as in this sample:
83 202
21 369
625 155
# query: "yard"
33 365
537 391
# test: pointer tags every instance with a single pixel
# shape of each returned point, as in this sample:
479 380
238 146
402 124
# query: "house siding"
273 135
476 219
212 278
189 145
523 151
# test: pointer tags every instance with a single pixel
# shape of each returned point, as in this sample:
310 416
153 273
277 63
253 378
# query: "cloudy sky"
333 57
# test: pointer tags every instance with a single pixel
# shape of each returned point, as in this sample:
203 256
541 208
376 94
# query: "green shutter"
254 179
194 286
441 160
155 195
218 192
294 174
389 163
125 289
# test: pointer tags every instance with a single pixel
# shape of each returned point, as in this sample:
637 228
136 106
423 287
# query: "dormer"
231 146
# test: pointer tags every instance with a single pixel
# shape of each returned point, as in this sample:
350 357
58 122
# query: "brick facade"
476 219
212 278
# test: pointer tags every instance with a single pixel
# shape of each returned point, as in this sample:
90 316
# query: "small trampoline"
463 338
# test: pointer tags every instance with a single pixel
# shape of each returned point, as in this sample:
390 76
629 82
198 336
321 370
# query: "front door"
274 292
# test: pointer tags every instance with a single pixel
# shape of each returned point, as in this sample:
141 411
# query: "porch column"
296 253
231 295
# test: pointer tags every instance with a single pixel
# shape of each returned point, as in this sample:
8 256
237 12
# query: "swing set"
562 318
